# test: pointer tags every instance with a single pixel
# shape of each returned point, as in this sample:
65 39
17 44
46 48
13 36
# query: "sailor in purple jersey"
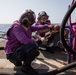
72 42
19 43
69 43
43 20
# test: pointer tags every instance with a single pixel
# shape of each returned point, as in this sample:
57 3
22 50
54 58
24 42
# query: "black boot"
49 49
28 69
16 63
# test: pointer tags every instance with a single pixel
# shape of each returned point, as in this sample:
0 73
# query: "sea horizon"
4 27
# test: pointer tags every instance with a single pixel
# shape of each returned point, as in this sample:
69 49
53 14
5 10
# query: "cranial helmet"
42 13
28 16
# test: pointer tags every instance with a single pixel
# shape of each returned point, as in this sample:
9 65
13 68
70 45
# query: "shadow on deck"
47 60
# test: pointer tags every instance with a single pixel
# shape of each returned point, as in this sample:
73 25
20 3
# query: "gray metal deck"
47 60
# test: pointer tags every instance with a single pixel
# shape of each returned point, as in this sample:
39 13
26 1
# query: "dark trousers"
26 53
50 40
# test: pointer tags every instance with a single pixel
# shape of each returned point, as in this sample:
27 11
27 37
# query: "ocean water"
3 30
4 27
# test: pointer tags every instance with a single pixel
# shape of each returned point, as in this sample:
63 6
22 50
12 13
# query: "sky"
10 10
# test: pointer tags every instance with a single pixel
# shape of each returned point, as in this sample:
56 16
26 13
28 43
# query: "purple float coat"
43 33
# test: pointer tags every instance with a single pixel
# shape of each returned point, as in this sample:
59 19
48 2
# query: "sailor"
43 19
20 47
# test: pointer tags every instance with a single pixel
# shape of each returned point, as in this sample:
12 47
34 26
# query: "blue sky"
11 10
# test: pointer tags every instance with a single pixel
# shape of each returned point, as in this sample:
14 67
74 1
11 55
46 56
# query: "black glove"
39 42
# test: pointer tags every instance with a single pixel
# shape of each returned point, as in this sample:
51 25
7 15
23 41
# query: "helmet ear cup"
25 21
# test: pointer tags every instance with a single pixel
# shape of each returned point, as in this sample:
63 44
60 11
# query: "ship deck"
47 62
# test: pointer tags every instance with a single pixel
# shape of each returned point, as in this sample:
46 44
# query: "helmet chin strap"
27 25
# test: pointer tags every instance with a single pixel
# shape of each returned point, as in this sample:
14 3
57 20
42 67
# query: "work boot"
28 69
16 63
49 49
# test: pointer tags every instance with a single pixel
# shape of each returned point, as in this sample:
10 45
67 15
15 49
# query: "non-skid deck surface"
47 60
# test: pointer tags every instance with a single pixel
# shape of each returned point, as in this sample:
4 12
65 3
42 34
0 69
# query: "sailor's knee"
35 53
